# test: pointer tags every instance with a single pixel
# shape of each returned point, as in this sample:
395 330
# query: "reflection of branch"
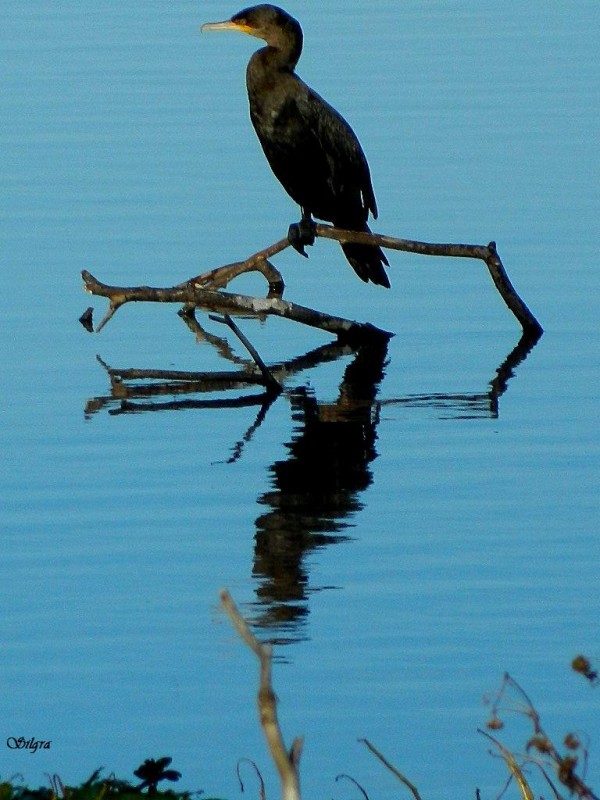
220 343
178 382
469 405
287 763
127 407
174 382
185 381
457 405
239 445
506 370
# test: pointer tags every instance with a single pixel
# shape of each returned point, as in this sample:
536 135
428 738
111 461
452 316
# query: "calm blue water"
454 544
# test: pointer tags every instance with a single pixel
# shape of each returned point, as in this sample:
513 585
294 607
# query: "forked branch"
203 291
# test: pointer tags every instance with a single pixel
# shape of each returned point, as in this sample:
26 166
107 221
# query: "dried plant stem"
402 778
513 767
287 764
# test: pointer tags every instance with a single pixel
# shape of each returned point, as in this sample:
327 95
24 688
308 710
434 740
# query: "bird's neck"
278 58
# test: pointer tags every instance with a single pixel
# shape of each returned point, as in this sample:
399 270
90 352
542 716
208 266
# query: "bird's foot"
301 234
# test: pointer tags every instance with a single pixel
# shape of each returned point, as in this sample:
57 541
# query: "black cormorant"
311 148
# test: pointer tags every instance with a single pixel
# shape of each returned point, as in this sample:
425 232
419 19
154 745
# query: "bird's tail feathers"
367 260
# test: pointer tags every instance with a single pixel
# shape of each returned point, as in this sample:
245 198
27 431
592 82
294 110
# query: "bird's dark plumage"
310 147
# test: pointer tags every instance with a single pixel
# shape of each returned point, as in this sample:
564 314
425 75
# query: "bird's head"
269 23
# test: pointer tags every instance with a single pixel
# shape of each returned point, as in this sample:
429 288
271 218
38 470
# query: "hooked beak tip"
217 26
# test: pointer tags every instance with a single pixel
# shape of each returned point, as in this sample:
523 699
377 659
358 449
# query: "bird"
310 147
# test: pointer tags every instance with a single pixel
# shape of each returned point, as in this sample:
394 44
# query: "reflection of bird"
311 148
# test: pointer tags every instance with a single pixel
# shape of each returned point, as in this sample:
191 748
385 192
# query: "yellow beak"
227 25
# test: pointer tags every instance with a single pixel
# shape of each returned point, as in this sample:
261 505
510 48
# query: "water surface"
401 561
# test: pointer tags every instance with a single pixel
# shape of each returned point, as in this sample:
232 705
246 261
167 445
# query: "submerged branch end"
488 254
272 384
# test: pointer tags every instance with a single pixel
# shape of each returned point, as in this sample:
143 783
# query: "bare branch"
258 262
200 291
487 253
115 304
225 302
